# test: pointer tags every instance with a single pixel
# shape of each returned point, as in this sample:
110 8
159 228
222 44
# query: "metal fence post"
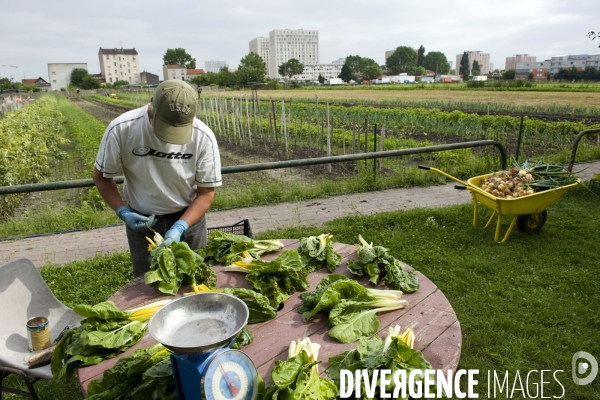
519 140
374 151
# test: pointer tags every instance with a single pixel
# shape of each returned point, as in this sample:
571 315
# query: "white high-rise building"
260 46
214 66
285 44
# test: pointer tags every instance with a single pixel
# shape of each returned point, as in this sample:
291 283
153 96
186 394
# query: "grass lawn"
529 303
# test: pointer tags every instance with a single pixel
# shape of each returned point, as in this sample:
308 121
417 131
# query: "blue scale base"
189 369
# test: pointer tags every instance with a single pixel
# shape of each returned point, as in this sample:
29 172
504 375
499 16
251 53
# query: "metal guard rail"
40 187
576 143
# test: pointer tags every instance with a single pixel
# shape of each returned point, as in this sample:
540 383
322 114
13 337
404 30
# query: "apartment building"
174 72
285 44
482 58
119 65
214 66
60 74
260 46
539 70
328 71
511 62
579 61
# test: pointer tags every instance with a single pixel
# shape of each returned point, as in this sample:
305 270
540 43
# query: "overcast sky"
34 33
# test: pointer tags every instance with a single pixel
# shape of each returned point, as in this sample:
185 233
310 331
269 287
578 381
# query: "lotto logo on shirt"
148 151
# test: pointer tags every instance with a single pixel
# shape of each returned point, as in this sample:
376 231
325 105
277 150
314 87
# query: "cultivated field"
514 98
277 129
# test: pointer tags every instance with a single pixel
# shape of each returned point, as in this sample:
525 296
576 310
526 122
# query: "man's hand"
174 234
135 221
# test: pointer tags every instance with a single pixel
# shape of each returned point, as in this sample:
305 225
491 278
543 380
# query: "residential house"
174 72
39 82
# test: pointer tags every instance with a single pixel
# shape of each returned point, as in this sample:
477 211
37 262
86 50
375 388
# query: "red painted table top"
429 314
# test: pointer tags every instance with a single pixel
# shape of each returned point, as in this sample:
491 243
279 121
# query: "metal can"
38 333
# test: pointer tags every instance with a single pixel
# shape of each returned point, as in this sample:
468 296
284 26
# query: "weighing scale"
198 329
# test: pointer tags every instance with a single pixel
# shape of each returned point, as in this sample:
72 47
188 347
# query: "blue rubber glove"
174 234
135 221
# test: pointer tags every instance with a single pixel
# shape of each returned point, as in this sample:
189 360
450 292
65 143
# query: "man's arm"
108 190
200 205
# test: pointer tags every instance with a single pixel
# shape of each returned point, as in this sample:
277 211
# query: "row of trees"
590 73
252 69
357 68
406 60
403 60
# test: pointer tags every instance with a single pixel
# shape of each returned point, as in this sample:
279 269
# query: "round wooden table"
429 314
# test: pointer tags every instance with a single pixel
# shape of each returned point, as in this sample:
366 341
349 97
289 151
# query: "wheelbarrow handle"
460 187
424 167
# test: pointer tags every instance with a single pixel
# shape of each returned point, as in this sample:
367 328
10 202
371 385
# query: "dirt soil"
98 111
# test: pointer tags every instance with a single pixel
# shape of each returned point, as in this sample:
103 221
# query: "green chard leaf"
243 338
176 265
352 320
317 252
279 278
104 310
258 304
381 266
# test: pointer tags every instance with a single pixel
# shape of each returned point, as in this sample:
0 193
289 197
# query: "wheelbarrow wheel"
531 222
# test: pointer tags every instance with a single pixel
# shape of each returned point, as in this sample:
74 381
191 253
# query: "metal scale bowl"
198 329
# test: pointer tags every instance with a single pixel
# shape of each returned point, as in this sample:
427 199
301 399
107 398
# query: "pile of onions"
508 184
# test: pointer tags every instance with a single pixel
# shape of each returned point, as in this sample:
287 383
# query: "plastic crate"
239 228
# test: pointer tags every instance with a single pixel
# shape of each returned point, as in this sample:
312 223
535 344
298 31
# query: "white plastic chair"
24 294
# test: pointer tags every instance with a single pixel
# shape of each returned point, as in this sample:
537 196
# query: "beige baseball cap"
174 104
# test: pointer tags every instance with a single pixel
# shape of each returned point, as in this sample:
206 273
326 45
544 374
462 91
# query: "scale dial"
231 375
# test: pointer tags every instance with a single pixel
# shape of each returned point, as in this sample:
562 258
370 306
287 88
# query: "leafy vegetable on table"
317 252
376 262
225 248
258 305
297 378
145 374
243 338
276 279
105 333
352 308
175 265
394 353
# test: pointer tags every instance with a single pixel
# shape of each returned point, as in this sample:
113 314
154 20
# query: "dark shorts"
195 237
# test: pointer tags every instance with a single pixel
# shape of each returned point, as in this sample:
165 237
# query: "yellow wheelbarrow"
528 212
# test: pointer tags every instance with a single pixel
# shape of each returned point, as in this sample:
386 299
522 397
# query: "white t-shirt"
160 177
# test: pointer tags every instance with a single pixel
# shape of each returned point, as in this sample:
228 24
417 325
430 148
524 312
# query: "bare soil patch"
99 111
